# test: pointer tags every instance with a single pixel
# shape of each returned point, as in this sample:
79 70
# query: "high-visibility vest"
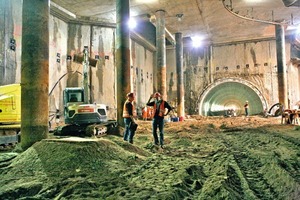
125 111
161 111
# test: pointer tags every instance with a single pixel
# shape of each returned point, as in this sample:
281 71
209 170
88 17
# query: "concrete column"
281 66
179 70
210 63
161 54
34 72
122 56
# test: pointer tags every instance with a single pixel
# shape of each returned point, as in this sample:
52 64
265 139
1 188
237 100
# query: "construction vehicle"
83 118
10 114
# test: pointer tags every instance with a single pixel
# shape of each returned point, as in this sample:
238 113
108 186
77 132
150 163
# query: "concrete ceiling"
205 18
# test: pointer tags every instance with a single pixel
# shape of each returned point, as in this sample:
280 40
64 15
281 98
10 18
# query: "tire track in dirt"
248 170
290 164
167 178
249 167
253 164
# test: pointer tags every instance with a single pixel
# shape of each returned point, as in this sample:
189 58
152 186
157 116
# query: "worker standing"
246 106
145 113
129 112
159 106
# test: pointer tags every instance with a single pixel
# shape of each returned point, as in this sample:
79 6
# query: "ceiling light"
132 23
298 30
197 41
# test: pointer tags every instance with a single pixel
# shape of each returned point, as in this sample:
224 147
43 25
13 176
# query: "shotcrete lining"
231 94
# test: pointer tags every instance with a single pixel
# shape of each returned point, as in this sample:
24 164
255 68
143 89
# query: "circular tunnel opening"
231 95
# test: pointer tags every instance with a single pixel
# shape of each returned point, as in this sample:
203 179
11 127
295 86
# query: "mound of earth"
203 158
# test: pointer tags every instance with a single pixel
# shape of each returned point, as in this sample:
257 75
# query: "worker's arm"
168 107
150 103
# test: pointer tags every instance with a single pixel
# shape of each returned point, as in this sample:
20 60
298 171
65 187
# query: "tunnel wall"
10 33
231 94
67 40
254 62
142 73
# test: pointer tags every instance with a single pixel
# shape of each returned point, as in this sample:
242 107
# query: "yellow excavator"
10 114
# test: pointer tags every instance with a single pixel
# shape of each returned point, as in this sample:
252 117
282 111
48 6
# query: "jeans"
128 134
158 122
246 112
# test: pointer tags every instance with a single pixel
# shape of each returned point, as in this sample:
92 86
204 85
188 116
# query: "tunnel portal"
231 94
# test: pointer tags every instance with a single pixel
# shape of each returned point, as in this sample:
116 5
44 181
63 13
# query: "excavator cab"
72 95
76 111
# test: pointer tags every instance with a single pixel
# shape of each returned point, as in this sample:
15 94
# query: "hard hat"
130 94
157 94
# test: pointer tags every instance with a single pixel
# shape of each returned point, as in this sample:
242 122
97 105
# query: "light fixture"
197 41
298 30
179 17
131 23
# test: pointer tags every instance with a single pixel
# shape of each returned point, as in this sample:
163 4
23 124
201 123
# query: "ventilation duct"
288 3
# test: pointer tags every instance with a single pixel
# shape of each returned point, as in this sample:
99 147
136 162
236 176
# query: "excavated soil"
203 158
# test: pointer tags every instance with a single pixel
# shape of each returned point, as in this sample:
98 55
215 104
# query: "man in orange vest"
159 106
129 113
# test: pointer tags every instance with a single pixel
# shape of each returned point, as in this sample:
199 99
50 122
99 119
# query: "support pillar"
179 70
281 66
34 72
161 54
210 64
122 56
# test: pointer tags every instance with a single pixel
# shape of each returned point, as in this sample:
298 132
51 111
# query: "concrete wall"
11 29
252 61
257 64
66 41
142 73
58 33
103 75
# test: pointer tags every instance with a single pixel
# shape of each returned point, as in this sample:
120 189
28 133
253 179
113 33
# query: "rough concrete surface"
203 158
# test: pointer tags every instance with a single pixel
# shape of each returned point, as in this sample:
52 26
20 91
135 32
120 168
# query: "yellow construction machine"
10 114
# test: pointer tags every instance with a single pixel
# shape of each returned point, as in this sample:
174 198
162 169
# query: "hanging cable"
250 19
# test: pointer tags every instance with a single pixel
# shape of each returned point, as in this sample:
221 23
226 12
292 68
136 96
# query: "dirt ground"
204 158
